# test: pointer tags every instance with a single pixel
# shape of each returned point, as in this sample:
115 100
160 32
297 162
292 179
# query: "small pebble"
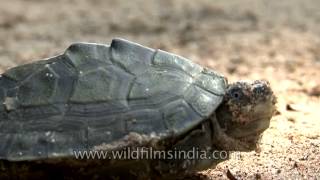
230 175
315 91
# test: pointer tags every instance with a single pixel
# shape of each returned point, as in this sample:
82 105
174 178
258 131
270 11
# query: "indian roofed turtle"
97 97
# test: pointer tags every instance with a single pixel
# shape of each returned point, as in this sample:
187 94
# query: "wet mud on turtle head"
246 112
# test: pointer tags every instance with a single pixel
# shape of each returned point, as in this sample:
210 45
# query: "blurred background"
244 39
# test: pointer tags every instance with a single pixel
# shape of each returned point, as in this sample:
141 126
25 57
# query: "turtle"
124 96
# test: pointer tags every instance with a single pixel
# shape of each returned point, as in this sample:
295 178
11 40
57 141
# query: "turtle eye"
236 94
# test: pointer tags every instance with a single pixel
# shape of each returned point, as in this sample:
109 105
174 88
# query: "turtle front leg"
223 140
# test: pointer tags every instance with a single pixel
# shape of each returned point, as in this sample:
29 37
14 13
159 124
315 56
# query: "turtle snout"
262 91
261 88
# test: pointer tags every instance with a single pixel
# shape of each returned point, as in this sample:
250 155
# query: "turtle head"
245 112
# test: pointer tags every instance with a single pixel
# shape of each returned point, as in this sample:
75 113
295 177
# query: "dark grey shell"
94 94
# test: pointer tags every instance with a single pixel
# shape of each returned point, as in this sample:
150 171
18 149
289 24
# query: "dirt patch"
273 40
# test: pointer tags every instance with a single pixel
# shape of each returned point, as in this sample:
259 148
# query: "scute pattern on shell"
96 94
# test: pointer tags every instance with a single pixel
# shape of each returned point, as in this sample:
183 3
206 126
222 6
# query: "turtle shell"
97 94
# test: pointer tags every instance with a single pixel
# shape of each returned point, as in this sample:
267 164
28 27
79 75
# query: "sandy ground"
274 40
